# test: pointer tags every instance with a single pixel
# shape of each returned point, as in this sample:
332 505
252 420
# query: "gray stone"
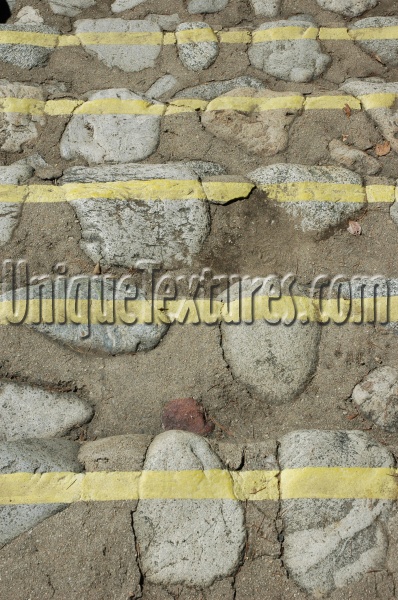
162 87
213 89
312 215
120 232
386 50
377 398
10 212
111 138
28 412
11 4
329 544
26 56
28 14
117 453
165 22
298 60
191 542
353 158
204 169
206 6
348 8
33 456
264 132
266 8
127 57
70 8
275 362
18 128
197 56
121 5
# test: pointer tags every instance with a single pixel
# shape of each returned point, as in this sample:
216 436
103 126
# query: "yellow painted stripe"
334 33
223 192
169 39
114 106
30 106
312 191
55 108
195 36
68 40
374 33
370 101
249 104
380 193
46 40
184 105
235 37
331 102
284 33
119 38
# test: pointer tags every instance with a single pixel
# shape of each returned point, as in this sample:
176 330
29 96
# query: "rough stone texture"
33 456
275 362
187 541
117 453
312 216
386 50
10 212
291 60
187 415
162 87
318 533
206 6
353 158
17 128
111 138
120 232
199 55
385 118
166 22
213 89
266 8
130 58
121 5
28 14
348 8
258 132
23 55
28 412
70 8
377 398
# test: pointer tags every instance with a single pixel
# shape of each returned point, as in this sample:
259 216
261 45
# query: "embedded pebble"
165 22
206 6
162 87
299 60
213 89
28 14
377 398
121 232
264 132
18 128
353 158
329 544
70 8
127 57
196 56
348 8
385 50
121 5
10 212
276 363
191 542
111 137
266 8
26 56
33 456
312 215
28 412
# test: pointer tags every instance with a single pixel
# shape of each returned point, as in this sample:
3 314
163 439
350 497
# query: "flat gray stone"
348 8
10 212
165 22
386 50
111 138
329 544
213 89
33 456
28 412
275 362
377 398
162 88
199 55
121 232
24 55
258 132
353 158
196 7
127 57
299 60
190 542
17 128
266 8
312 215
28 14
116 453
121 5
70 8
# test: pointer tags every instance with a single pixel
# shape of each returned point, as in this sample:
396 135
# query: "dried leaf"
377 57
345 138
347 110
354 228
383 149
97 269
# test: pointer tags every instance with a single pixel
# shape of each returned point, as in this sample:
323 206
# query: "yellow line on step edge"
308 482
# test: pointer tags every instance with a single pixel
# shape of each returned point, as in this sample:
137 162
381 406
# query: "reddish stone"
186 414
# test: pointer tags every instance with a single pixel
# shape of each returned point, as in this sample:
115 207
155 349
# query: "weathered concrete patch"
196 56
329 544
121 232
206 6
275 362
348 8
10 212
70 8
116 453
266 8
33 456
313 215
111 138
127 57
17 128
298 60
24 55
386 50
264 132
353 158
377 398
187 541
213 89
28 412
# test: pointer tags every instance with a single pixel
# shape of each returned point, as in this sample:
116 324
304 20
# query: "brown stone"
186 414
